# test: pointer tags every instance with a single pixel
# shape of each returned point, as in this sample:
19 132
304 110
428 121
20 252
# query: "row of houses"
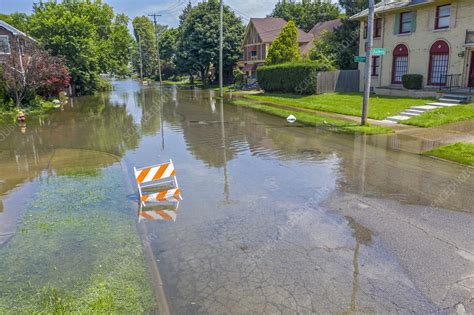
433 38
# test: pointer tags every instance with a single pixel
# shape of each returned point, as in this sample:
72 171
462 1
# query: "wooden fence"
338 81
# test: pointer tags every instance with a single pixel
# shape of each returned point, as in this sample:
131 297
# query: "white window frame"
8 45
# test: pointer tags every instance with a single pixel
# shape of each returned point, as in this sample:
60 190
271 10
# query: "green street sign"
360 59
378 51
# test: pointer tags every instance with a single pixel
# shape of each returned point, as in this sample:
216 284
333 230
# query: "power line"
175 5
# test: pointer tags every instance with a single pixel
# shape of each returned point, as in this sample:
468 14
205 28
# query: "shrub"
104 85
238 77
285 47
297 77
412 81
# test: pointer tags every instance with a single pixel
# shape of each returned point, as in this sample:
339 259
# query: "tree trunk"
204 77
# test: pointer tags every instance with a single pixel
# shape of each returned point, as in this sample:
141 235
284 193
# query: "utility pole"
155 16
141 57
221 49
368 62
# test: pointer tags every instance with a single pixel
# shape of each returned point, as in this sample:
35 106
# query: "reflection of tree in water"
362 236
202 128
92 124
101 127
148 99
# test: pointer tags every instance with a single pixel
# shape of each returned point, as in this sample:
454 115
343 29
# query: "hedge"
295 77
412 81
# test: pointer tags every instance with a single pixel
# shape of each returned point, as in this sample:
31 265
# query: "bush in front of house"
412 81
293 77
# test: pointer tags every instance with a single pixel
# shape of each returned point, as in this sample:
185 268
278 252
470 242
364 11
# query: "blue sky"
169 8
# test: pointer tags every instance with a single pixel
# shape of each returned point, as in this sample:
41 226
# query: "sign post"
368 62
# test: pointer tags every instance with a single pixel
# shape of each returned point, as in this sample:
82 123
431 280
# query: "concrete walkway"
447 100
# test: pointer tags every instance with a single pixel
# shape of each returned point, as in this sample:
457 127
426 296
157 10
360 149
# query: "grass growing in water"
380 107
313 120
442 116
460 152
77 251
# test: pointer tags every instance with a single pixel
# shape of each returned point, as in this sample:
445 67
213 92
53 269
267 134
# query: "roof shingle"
269 28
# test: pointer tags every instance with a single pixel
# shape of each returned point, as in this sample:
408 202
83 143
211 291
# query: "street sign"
360 59
378 51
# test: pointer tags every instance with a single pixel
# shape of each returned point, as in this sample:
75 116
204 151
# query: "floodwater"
276 218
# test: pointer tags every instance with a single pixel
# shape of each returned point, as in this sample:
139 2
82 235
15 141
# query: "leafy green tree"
82 32
352 7
307 13
198 43
17 20
322 50
167 43
345 43
121 41
285 48
144 32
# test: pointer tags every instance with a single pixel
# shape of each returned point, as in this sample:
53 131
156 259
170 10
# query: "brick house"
434 38
14 44
260 34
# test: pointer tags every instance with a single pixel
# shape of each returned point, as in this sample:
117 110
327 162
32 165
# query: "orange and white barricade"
157 175
171 195
158 213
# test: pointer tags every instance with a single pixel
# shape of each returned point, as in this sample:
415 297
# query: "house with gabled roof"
260 34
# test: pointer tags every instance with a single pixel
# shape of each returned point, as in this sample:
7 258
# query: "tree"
82 32
198 43
344 41
18 20
36 73
352 7
144 32
345 44
307 13
322 50
167 43
121 42
285 48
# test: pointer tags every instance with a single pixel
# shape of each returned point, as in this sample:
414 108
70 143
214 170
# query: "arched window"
439 63
400 63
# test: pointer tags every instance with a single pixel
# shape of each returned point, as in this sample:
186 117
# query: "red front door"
471 71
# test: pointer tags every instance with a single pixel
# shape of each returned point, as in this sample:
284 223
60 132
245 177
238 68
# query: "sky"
170 9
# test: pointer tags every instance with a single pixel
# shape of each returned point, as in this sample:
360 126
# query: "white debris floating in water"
291 119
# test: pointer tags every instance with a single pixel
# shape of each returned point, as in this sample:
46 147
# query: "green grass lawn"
443 116
337 125
460 152
77 251
380 107
185 82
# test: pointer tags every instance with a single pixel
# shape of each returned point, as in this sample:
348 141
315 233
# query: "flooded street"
276 218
